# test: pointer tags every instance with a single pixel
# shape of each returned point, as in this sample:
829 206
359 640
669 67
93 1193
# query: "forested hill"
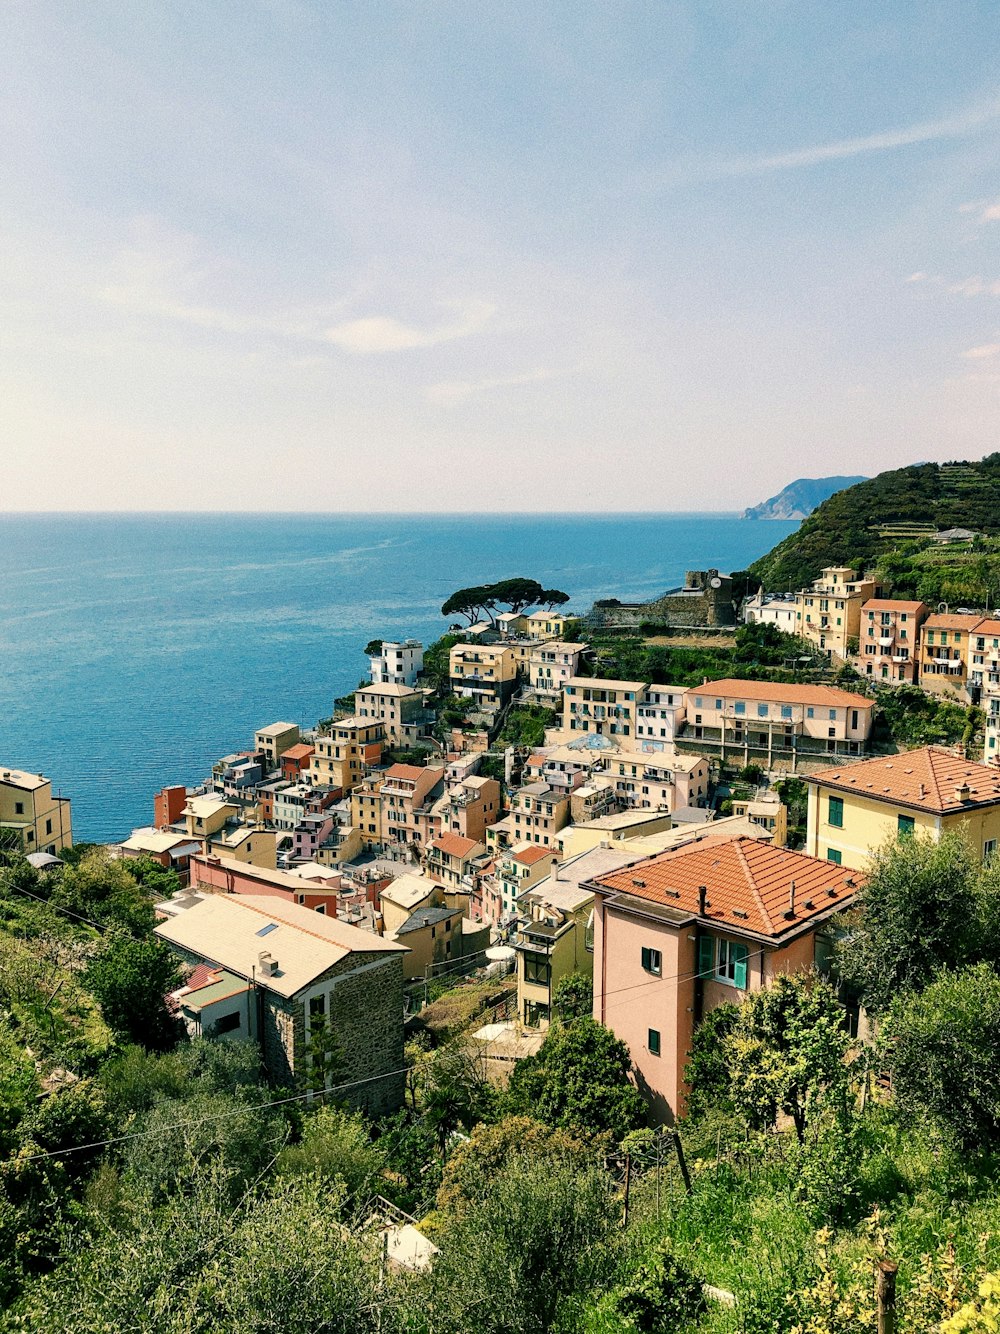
854 526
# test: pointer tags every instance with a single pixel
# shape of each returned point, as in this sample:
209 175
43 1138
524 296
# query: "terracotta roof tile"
944 620
411 772
891 604
988 627
454 845
748 884
779 692
926 779
528 856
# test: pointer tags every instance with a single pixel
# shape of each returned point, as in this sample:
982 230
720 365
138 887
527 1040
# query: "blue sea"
137 649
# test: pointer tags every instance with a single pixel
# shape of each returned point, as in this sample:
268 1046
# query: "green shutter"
740 954
706 956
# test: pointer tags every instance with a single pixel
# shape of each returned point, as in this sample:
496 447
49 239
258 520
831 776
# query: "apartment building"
552 664
602 707
451 860
487 673
930 791
517 868
342 758
829 613
769 720
984 682
397 662
945 654
661 713
538 812
273 741
554 937
41 822
662 781
679 933
295 761
407 795
889 640
545 624
468 807
401 709
777 609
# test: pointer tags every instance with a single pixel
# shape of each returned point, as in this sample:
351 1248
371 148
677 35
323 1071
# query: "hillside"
800 498
857 526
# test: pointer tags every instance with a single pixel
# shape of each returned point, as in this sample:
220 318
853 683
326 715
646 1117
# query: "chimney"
554 871
963 792
702 899
791 900
923 792
267 964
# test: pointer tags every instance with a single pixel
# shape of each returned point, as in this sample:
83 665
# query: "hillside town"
609 851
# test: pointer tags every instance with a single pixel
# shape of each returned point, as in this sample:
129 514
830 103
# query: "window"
740 709
317 1007
537 969
761 710
810 712
835 812
652 960
833 855
731 963
48 826
653 1041
786 710
904 826
833 715
989 847
18 807
227 1023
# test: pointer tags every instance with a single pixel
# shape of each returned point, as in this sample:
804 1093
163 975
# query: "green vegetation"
894 513
525 725
758 652
911 717
517 595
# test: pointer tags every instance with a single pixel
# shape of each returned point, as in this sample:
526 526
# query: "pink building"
683 931
889 638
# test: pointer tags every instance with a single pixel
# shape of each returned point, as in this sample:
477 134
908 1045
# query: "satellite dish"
716 582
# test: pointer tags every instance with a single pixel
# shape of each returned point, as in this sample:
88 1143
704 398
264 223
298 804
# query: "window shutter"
740 966
706 956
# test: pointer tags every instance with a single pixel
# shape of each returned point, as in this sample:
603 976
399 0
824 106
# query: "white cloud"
982 352
920 277
383 333
987 212
954 127
457 391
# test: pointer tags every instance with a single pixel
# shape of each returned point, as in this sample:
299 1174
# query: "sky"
396 255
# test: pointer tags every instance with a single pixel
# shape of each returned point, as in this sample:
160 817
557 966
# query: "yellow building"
829 613
485 672
249 844
341 759
539 812
366 812
545 624
401 709
204 816
946 654
275 740
41 821
607 708
555 941
853 810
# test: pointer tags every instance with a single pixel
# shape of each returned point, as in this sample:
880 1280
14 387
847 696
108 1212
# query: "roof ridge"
241 899
751 879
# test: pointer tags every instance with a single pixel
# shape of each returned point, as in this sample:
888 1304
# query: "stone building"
297 973
705 600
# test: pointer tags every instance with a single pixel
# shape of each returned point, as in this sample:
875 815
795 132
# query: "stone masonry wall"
698 603
365 1009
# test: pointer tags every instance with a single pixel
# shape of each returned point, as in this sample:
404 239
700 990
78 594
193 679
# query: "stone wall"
706 599
364 1002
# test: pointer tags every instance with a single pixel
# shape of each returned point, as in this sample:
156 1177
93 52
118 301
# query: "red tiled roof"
952 621
748 884
528 856
202 975
454 845
926 779
299 752
987 627
890 604
411 772
780 693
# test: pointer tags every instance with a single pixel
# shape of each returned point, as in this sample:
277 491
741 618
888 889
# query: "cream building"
484 672
603 707
41 821
342 758
275 740
829 613
931 791
946 659
777 722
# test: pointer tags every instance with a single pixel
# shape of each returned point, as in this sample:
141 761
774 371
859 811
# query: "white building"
398 663
661 714
772 609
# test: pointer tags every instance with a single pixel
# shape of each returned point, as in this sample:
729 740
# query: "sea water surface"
135 650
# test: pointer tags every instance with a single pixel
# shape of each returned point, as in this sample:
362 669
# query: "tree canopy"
579 1079
925 906
516 595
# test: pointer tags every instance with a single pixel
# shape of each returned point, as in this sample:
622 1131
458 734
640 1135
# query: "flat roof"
20 778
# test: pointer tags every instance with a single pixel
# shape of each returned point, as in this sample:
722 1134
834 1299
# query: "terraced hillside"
859 525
